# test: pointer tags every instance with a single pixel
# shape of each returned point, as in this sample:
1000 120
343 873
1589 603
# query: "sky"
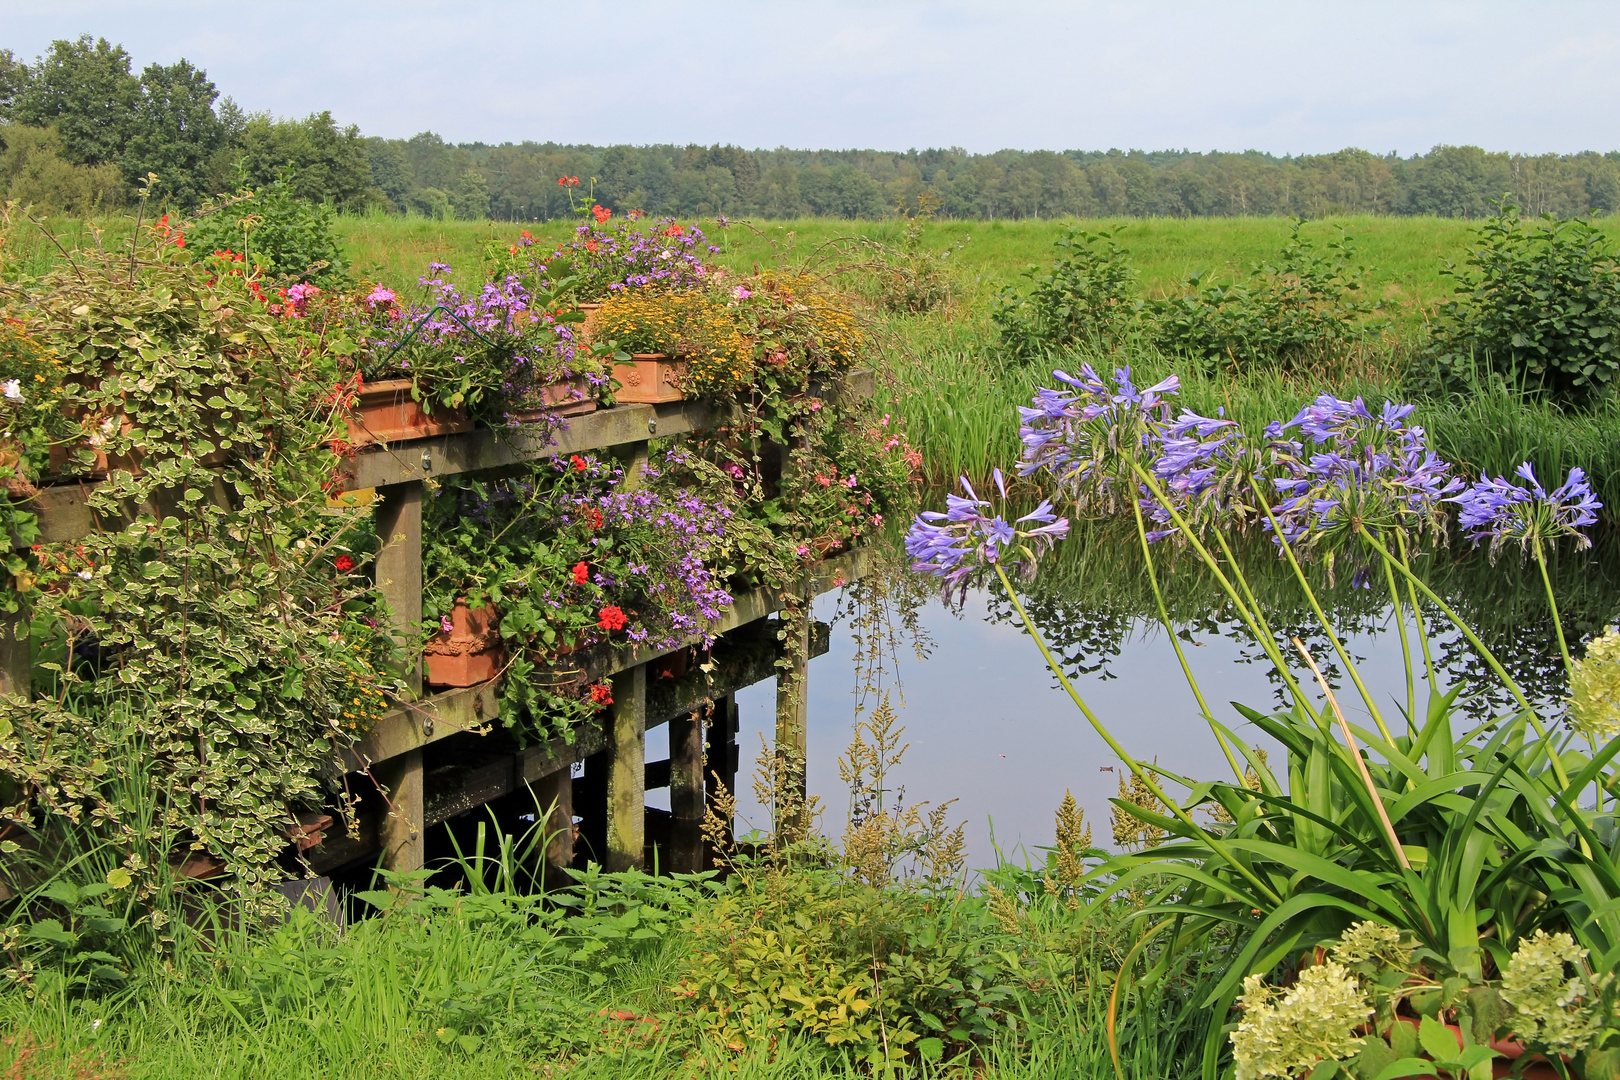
1302 77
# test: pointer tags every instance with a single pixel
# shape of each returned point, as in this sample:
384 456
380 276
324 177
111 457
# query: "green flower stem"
1175 642
1135 766
1266 640
1489 658
1406 650
1417 613
1552 604
1327 627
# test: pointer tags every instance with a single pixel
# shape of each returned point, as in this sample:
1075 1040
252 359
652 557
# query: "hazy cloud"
1284 77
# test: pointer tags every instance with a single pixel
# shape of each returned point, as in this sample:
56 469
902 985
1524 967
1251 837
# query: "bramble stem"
1135 766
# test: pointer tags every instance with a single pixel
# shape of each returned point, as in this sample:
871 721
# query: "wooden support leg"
723 752
634 458
399 567
16 656
555 791
402 828
590 803
791 739
626 787
686 793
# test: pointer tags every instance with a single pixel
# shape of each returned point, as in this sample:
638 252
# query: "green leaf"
930 1049
1438 1040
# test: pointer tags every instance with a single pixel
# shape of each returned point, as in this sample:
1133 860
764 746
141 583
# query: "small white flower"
86 575
13 389
95 1025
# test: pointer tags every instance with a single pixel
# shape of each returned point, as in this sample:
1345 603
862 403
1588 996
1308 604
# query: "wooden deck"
446 754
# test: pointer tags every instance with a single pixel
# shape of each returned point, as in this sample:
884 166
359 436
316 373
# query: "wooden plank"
721 744
63 515
626 793
487 448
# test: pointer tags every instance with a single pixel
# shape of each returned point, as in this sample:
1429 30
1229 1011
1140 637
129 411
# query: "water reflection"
989 726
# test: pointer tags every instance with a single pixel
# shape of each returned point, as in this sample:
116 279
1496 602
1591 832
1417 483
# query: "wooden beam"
721 740
626 793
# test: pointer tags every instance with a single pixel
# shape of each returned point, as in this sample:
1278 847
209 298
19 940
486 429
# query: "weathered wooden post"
399 579
627 771
555 791
686 795
723 754
16 656
792 711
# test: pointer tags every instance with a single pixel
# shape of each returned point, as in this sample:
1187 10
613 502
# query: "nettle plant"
571 556
1471 846
202 629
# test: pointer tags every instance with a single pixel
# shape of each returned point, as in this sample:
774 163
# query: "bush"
285 236
1288 314
34 172
1541 307
1083 300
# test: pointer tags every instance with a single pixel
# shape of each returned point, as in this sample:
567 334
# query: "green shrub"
1290 314
1083 300
1541 306
287 237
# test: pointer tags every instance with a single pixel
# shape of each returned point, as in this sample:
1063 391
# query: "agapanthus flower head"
969 538
1500 510
1080 432
1356 470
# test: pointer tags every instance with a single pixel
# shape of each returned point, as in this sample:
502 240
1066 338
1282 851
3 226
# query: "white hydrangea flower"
1558 1012
1313 1020
1371 941
12 389
1594 687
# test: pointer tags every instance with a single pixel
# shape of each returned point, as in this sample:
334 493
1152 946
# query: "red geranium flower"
602 213
582 573
594 517
611 618
344 563
601 694
577 462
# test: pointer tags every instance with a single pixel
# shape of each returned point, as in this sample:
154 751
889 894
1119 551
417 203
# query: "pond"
989 726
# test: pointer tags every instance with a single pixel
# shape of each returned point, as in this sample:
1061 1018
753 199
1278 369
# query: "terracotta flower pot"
566 397
386 412
468 654
650 378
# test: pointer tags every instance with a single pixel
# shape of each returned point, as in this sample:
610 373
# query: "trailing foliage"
204 622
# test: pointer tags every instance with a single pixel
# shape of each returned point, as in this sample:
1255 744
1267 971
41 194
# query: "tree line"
80 130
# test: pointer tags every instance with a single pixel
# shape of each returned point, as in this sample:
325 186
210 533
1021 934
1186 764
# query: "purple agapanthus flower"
968 538
1500 511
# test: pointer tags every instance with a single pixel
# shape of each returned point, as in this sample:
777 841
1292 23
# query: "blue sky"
1283 77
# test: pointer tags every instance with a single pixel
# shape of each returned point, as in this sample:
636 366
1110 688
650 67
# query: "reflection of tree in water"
1093 593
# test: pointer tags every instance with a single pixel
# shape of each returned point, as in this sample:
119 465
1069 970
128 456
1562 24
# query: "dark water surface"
989 726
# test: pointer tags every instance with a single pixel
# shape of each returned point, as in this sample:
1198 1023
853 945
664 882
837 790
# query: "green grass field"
1404 256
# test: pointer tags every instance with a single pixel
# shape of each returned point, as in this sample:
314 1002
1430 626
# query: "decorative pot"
650 378
470 653
386 413
566 397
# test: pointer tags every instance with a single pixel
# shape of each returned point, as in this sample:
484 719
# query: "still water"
989 726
